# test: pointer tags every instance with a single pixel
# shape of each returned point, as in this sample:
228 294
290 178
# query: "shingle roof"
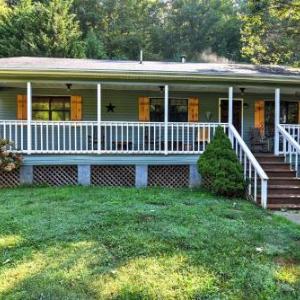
91 65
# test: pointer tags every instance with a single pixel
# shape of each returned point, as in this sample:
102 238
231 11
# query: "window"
288 115
178 110
289 112
156 110
51 108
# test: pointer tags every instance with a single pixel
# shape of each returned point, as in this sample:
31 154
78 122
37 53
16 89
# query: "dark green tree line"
37 29
257 31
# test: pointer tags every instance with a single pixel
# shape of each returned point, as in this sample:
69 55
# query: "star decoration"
110 108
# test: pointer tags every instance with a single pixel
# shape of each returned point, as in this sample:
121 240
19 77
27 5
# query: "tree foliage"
37 29
271 32
265 31
220 164
195 26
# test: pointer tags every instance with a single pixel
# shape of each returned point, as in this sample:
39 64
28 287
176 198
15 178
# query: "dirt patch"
283 261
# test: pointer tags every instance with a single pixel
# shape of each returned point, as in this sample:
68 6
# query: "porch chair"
258 141
203 138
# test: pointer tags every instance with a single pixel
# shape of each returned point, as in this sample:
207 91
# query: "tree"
195 26
124 27
94 46
271 32
37 29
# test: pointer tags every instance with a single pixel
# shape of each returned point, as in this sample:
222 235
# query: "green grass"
102 243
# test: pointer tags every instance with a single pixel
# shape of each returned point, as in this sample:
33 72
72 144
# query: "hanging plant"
9 161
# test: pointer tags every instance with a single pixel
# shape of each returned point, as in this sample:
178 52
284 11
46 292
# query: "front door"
237 113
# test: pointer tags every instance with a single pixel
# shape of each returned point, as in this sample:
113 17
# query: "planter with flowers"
9 161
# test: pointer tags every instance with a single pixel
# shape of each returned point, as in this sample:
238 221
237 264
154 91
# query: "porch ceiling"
137 86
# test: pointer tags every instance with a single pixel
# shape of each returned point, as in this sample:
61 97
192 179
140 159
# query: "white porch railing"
289 144
293 130
253 172
115 137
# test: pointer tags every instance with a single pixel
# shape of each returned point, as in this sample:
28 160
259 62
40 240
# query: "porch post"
277 121
29 117
230 111
99 117
230 105
166 117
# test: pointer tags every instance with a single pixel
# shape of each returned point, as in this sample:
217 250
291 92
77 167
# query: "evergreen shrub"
220 166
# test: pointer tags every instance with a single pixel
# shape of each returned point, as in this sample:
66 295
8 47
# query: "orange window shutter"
76 108
259 114
144 109
21 107
193 109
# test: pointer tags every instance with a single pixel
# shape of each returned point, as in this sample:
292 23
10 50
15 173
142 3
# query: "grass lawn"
113 243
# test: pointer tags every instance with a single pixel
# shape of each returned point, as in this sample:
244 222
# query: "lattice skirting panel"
206 182
10 179
168 176
113 175
55 175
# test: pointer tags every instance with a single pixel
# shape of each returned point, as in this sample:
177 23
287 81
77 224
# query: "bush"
9 161
221 167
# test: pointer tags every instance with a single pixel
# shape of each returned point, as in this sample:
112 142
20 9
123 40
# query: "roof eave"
22 74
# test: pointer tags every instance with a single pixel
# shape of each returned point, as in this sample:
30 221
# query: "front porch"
141 134
140 118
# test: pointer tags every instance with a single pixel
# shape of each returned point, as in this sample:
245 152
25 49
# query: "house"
146 123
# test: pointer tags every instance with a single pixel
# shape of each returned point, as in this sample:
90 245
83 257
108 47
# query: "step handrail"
247 159
290 147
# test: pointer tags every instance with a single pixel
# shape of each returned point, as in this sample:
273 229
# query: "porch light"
242 89
162 88
69 86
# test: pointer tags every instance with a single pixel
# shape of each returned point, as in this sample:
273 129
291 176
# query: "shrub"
220 165
9 160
